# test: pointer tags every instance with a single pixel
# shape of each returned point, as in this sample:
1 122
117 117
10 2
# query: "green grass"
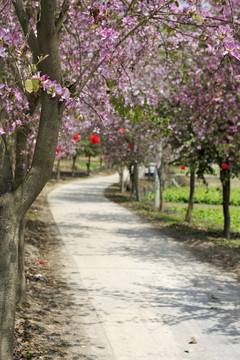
213 215
211 196
168 219
81 163
177 169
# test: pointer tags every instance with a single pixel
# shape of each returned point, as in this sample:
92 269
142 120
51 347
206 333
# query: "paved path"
140 295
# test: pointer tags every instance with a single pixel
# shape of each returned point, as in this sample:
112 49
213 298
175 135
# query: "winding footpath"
137 294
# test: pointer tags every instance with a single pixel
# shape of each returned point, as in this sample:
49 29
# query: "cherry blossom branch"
231 8
91 107
62 15
27 28
4 6
101 62
129 7
72 87
16 71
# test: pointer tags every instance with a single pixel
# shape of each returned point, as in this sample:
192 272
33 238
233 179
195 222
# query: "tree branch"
6 175
27 28
231 8
62 15
48 40
91 107
72 87
100 63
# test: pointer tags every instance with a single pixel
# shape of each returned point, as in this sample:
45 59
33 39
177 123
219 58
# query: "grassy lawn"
211 196
213 215
208 206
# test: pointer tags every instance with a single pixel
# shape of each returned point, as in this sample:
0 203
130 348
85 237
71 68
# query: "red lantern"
121 130
58 151
183 167
129 145
95 139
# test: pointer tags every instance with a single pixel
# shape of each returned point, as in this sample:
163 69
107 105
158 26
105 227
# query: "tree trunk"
160 173
161 182
8 270
88 165
225 180
121 177
191 196
156 189
136 182
122 188
131 176
149 174
21 165
74 165
14 202
21 281
58 170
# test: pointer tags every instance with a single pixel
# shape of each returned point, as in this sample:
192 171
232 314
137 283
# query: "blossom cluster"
50 86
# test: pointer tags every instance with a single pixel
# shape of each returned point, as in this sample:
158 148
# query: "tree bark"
58 170
225 180
74 165
136 182
15 201
21 161
131 176
191 196
161 182
20 173
9 232
88 165
21 281
121 177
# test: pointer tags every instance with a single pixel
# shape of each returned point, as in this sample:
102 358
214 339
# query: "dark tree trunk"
21 166
9 253
191 196
15 201
21 282
13 205
225 180
149 174
131 175
136 182
21 158
74 165
8 269
88 165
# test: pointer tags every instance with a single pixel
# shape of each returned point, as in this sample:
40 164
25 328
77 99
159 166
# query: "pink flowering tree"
205 119
60 59
46 68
